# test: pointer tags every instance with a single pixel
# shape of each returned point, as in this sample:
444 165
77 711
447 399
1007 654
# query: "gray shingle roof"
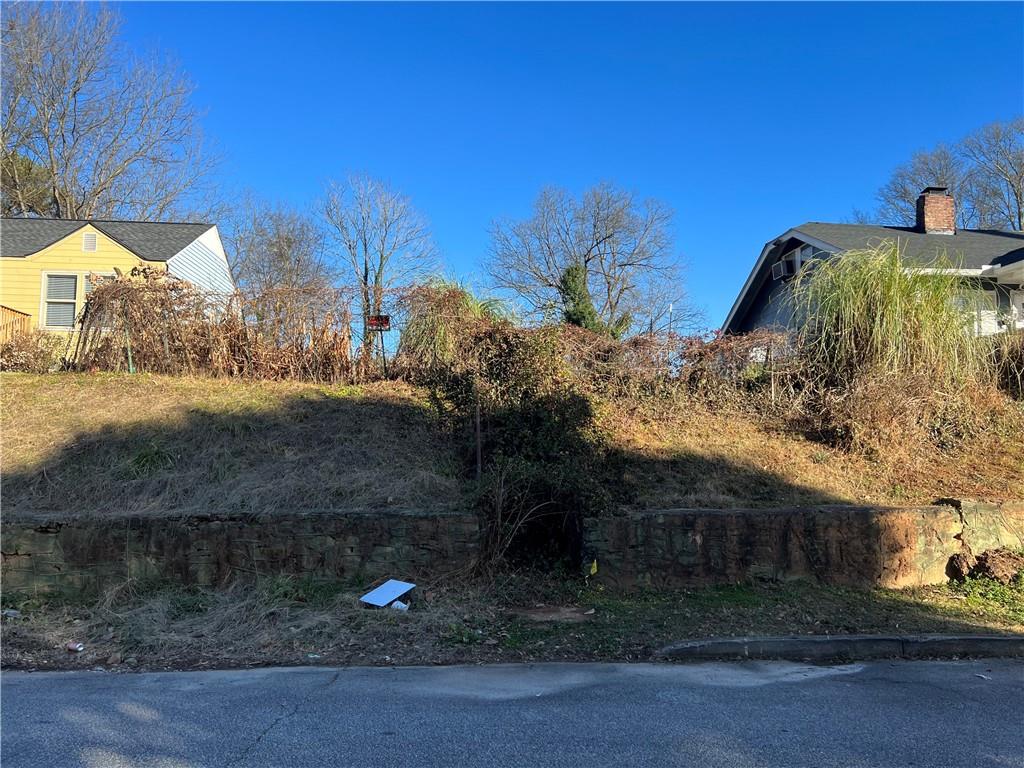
970 248
153 241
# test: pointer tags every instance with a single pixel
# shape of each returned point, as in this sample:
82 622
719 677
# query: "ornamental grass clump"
870 312
437 315
888 350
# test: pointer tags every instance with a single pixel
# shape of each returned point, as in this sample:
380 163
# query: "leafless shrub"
148 321
32 352
714 368
1009 360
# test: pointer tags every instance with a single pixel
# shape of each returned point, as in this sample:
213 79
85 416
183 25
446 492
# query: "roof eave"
794 233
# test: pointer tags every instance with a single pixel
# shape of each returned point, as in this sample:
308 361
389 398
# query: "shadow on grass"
320 451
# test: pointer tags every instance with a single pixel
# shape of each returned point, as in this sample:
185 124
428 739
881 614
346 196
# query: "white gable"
204 264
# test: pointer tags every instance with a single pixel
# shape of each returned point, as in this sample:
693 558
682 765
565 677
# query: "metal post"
479 443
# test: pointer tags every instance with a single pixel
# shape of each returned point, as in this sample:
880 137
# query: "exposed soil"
1002 565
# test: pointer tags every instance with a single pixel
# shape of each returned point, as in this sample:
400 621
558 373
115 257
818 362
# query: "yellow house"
48 266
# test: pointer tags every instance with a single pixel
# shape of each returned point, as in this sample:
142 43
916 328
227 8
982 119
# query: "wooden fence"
13 322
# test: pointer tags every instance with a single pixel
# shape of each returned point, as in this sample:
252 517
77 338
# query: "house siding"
770 308
204 264
21 278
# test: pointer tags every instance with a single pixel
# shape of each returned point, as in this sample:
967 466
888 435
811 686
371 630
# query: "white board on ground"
387 593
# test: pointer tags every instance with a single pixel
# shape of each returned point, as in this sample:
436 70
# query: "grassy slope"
693 457
110 443
107 443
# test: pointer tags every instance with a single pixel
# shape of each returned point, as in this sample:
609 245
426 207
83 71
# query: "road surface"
588 715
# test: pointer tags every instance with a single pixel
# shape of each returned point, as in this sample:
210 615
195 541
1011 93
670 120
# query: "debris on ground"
387 593
531 618
75 647
567 614
960 565
1000 564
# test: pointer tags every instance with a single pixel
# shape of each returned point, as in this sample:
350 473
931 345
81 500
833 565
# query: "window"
61 295
89 241
93 281
785 267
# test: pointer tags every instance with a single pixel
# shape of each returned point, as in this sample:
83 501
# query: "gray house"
988 260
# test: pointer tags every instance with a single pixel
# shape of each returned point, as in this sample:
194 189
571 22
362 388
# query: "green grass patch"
991 597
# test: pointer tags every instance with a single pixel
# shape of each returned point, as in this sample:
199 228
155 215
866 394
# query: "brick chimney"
936 211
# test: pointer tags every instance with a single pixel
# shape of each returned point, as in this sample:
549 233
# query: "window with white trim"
61 292
93 281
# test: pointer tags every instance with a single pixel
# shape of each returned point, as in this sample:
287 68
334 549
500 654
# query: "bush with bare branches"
32 352
149 321
1009 361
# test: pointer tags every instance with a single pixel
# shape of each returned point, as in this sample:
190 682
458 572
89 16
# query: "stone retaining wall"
666 548
89 554
836 545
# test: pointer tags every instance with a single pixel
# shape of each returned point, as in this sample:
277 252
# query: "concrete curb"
831 647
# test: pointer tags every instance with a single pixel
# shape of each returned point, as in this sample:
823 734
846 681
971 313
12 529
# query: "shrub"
149 321
579 306
868 312
887 352
528 433
1008 357
32 352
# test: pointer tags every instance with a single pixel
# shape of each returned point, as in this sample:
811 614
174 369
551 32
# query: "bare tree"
941 166
276 247
383 238
89 130
280 266
624 246
985 171
996 153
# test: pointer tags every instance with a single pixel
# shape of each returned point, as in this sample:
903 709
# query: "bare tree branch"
997 155
280 265
106 134
985 172
383 238
624 244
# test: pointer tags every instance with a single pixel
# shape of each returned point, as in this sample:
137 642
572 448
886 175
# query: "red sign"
378 323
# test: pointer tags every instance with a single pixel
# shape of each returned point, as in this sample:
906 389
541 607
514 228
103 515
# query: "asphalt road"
590 715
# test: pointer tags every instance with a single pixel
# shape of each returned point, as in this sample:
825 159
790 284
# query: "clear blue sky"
745 118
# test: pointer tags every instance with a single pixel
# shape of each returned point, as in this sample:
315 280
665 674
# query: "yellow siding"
21 279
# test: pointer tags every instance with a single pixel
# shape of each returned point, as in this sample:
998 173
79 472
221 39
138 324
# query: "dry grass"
283 621
691 456
115 443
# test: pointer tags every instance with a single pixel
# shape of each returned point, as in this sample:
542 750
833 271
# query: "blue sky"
745 118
